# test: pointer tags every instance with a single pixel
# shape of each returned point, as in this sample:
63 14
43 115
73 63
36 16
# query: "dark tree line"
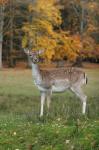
79 17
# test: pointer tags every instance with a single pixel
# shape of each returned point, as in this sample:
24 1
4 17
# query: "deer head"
34 56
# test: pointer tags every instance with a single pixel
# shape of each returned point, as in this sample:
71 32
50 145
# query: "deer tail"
85 78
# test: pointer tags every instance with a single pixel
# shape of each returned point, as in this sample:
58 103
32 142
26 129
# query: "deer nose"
36 60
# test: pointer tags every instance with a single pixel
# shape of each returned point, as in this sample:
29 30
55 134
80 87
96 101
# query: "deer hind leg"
82 96
48 99
43 96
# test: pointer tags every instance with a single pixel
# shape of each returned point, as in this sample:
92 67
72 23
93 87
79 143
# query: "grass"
62 128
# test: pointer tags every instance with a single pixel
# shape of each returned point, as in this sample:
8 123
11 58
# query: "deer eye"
30 55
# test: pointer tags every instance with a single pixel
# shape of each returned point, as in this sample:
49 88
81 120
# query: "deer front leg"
43 96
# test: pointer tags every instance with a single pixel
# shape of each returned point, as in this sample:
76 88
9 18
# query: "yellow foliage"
49 54
57 44
24 42
48 10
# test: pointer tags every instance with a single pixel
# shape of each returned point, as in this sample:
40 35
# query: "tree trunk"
11 63
0 55
1 32
29 63
82 21
78 62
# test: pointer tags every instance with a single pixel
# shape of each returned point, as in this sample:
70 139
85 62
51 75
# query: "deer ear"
27 51
40 51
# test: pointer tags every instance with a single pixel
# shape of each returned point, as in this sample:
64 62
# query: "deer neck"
36 72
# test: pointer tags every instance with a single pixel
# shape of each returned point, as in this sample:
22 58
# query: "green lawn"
62 128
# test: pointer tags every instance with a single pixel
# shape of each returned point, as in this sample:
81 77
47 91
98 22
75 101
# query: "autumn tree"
44 32
84 20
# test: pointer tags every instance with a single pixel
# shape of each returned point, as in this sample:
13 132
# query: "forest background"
66 30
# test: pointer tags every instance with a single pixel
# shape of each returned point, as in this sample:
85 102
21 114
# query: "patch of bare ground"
85 65
23 65
91 65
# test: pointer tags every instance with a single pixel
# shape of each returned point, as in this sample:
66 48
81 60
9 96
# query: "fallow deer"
56 80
